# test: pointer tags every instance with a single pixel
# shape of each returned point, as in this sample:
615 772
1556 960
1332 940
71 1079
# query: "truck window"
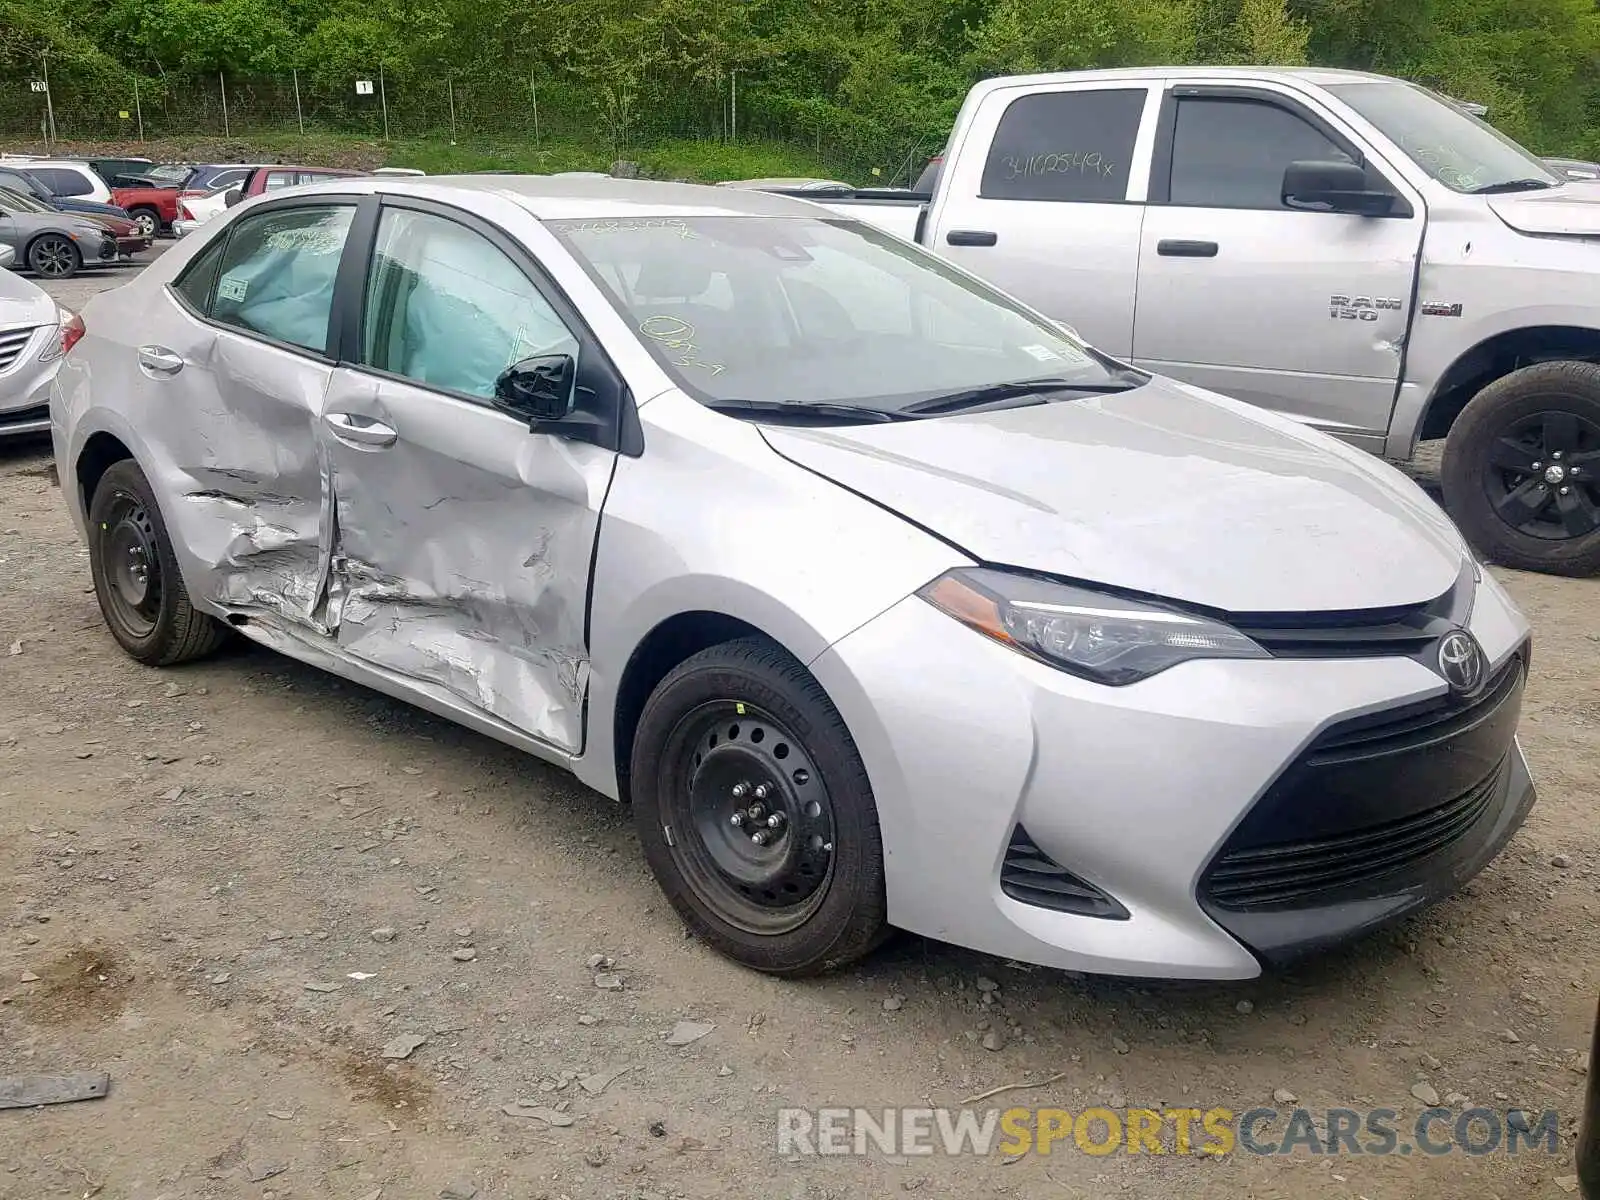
1065 146
1231 153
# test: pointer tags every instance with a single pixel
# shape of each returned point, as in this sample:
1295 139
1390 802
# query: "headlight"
1099 637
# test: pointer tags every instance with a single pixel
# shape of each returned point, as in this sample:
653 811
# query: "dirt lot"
232 885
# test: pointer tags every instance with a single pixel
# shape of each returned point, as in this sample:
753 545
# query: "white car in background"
30 351
195 211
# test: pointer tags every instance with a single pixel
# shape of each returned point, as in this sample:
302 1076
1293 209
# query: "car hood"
1164 490
24 303
1572 210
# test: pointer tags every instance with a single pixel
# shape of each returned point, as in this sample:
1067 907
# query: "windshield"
799 310
1460 151
21 203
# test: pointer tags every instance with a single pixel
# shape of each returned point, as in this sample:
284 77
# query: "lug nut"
1538 466
762 791
1555 454
737 819
741 789
759 837
775 821
1564 491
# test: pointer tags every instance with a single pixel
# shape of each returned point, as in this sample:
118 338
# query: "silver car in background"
884 601
30 352
54 245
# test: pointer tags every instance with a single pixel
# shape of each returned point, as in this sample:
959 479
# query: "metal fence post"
138 111
383 99
534 88
733 106
223 83
49 100
299 119
450 87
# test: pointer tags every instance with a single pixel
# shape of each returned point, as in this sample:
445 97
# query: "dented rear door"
462 541
232 375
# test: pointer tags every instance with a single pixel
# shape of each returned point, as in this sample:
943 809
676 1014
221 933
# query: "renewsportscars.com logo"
1182 1131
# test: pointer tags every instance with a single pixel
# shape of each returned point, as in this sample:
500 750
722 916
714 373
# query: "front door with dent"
463 540
1305 312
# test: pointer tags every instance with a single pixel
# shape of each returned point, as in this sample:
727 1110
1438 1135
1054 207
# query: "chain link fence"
465 105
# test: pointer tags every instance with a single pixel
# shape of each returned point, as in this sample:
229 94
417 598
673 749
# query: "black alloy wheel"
54 257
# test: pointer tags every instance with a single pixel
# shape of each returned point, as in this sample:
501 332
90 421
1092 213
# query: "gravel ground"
235 885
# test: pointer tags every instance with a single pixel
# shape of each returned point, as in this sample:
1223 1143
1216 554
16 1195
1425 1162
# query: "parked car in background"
195 210
55 244
262 180
130 239
790 185
14 177
207 177
30 353
152 208
115 170
1292 237
1574 168
71 179
1062 661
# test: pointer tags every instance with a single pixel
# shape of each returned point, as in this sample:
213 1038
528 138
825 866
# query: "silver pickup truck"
1348 249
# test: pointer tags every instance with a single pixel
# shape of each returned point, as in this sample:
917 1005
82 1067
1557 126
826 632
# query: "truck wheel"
148 221
136 576
1522 469
755 812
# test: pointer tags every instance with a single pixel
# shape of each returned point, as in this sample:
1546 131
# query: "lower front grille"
1293 872
12 343
1031 876
25 416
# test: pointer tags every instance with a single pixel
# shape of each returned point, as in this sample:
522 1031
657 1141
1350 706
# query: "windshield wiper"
809 410
1512 185
998 393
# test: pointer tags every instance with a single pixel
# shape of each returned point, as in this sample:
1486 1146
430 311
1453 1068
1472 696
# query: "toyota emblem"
1460 661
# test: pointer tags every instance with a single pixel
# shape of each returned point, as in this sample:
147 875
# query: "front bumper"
129 246
183 228
1131 794
25 387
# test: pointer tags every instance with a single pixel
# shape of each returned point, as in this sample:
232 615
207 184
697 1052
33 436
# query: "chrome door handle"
362 431
158 360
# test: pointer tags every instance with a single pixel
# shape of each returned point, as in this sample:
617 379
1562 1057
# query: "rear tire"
136 578
1521 469
795 885
52 256
147 219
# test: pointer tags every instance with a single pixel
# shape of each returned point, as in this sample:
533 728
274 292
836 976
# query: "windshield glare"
801 310
1460 151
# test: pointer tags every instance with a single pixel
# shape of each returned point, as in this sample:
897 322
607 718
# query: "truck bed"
898 212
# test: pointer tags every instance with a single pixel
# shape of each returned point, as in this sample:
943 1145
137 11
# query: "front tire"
52 256
147 220
136 578
1521 469
755 812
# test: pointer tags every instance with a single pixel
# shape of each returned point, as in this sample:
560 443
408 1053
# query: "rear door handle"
1178 248
359 430
971 237
158 360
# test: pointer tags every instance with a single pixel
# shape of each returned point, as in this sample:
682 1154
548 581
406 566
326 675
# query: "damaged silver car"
882 598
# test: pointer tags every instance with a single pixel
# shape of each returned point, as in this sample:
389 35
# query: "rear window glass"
1065 146
62 181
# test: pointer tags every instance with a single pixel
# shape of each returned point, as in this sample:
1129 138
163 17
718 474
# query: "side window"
62 181
446 308
226 179
279 179
195 284
1072 146
1230 153
277 273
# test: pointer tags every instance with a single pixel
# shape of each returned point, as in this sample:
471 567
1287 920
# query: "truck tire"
147 219
1522 469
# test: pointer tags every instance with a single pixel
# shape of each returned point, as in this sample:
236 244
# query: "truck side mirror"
233 196
1335 186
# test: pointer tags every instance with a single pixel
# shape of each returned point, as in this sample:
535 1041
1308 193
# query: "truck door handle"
971 237
1178 248
158 360
362 431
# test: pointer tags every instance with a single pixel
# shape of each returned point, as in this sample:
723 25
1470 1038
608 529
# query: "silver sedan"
884 600
30 353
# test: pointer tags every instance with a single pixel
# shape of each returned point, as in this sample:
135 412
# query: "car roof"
552 198
1311 75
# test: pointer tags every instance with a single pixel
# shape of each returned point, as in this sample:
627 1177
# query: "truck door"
1040 198
1301 311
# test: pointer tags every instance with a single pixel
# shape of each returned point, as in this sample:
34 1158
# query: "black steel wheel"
54 256
755 812
136 577
1522 469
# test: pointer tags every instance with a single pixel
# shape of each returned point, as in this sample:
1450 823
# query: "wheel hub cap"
1543 475
131 565
1555 473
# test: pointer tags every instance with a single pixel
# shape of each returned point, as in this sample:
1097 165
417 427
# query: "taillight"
185 212
72 331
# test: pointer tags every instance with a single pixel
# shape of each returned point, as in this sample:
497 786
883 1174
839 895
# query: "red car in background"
152 209
282 175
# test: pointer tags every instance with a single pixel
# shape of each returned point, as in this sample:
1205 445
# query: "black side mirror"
538 388
1337 186
233 197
